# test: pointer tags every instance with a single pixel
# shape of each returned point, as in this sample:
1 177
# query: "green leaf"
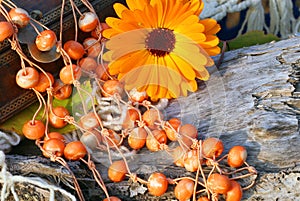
73 104
15 123
251 38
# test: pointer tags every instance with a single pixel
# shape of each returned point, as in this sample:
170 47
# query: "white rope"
255 18
218 9
7 180
282 20
7 140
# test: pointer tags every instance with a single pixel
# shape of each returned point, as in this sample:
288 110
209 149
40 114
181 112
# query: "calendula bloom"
160 46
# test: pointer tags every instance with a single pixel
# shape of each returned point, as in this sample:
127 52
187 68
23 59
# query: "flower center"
160 42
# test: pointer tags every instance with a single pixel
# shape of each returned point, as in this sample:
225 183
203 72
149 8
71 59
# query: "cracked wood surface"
253 99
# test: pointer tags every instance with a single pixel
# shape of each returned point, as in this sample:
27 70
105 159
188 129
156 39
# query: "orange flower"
160 46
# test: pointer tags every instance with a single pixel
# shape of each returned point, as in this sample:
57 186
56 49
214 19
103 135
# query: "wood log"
252 99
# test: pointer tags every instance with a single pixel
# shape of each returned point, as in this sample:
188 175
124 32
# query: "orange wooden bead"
27 77
55 135
111 87
56 117
53 146
88 22
137 138
218 183
92 46
75 150
237 156
235 193
61 91
157 184
45 81
212 147
19 16
33 130
184 189
70 73
74 49
112 198
46 40
88 64
117 171
6 30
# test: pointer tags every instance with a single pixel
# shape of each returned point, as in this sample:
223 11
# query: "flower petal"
203 74
174 10
192 28
211 41
114 23
141 72
119 8
193 85
127 42
213 51
108 33
159 12
151 15
211 26
188 38
134 60
183 88
185 68
195 5
137 4
191 53
173 77
162 92
178 19
196 37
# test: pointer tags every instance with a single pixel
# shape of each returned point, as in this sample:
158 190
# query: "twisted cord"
282 19
255 18
8 181
8 140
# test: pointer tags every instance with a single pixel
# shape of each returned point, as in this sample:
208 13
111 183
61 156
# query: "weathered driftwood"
253 99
